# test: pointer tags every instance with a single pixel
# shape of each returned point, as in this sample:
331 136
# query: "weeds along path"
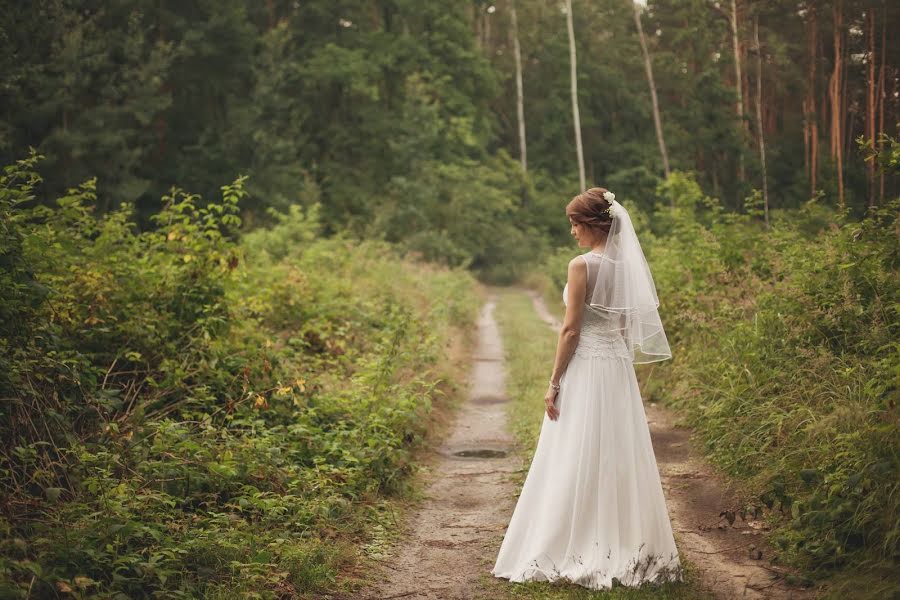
730 558
451 540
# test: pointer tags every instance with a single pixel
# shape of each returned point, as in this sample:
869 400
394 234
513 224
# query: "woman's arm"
568 334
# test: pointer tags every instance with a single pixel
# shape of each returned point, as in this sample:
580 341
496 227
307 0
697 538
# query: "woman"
592 507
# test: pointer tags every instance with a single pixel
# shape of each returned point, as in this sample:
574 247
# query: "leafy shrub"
785 360
190 415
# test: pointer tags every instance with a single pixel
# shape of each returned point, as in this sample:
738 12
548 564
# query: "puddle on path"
481 453
452 538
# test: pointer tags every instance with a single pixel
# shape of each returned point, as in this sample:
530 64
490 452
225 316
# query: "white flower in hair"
610 197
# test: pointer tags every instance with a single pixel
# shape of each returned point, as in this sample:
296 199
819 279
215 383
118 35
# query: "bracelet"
555 386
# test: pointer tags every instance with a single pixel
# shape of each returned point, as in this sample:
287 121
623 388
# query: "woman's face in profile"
582 234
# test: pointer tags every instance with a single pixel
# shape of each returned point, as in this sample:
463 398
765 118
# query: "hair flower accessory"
611 198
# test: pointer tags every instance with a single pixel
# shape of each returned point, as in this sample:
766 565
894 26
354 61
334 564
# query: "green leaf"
53 493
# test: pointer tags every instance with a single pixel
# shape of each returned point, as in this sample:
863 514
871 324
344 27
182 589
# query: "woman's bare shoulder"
578 263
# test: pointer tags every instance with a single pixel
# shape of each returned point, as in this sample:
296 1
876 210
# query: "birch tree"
881 95
574 75
520 99
759 120
648 67
810 119
836 96
870 99
739 104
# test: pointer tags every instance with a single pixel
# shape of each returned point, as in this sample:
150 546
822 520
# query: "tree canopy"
400 117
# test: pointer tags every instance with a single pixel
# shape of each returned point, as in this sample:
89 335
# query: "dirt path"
696 497
453 537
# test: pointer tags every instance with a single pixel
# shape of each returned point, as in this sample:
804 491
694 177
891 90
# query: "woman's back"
601 330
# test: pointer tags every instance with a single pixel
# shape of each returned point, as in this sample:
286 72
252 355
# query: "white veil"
624 285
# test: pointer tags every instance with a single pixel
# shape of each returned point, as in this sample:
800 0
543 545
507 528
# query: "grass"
386 519
530 347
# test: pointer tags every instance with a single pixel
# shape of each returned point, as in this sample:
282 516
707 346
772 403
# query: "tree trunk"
881 95
648 66
825 98
162 126
520 102
574 76
270 8
759 119
848 117
715 183
476 23
835 89
738 83
811 124
870 100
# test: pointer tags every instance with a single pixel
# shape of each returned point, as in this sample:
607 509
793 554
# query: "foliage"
399 118
786 361
124 319
187 415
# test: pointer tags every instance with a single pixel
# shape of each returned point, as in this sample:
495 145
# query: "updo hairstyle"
590 208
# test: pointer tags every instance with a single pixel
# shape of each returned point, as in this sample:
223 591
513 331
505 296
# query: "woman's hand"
549 399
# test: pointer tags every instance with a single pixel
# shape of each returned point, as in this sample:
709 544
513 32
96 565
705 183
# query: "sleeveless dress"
592 506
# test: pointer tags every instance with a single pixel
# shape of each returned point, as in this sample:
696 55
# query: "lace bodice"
600 334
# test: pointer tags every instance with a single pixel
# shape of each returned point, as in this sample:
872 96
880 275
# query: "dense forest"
197 191
401 117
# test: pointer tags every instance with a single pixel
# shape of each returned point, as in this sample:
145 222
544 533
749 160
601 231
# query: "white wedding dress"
592 507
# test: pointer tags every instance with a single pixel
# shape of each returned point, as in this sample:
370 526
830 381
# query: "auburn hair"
590 208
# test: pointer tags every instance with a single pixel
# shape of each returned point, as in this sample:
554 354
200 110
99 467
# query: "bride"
592 508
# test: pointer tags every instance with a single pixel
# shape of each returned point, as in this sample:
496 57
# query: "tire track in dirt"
451 539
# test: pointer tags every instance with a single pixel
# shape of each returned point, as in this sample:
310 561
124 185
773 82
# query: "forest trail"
696 498
451 540
453 536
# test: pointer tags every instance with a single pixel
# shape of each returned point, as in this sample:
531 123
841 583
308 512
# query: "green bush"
190 414
786 361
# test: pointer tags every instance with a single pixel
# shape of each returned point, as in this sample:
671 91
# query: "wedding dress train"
592 506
